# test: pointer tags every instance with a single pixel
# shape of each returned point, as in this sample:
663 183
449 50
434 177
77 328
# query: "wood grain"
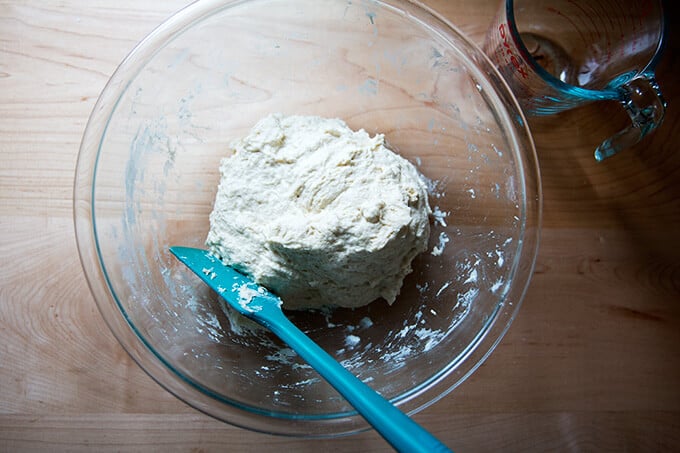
591 363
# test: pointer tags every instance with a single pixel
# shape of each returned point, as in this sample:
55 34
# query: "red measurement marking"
570 20
509 52
646 9
605 17
594 29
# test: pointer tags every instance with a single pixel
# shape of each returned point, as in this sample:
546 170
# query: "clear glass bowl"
148 171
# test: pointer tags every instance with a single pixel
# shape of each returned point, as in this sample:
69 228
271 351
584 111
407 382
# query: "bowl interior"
148 174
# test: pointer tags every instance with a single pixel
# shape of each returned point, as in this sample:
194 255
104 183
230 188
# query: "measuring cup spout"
646 107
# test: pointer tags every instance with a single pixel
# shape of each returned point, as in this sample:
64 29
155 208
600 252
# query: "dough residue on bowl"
318 213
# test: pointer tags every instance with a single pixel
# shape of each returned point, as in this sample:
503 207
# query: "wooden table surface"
591 363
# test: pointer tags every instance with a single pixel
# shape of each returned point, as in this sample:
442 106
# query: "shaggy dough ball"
318 213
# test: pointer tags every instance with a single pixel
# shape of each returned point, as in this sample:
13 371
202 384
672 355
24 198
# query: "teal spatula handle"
397 428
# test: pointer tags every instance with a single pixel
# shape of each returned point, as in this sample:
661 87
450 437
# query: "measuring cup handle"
642 100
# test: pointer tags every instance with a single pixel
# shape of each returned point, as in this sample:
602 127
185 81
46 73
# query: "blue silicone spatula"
264 307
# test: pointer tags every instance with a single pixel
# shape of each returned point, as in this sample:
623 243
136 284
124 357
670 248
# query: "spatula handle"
397 428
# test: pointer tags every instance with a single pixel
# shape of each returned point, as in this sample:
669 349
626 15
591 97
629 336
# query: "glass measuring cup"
560 54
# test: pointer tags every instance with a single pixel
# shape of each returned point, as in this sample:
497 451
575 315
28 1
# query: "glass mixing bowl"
147 175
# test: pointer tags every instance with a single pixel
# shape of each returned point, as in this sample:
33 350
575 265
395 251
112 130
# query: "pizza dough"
318 213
